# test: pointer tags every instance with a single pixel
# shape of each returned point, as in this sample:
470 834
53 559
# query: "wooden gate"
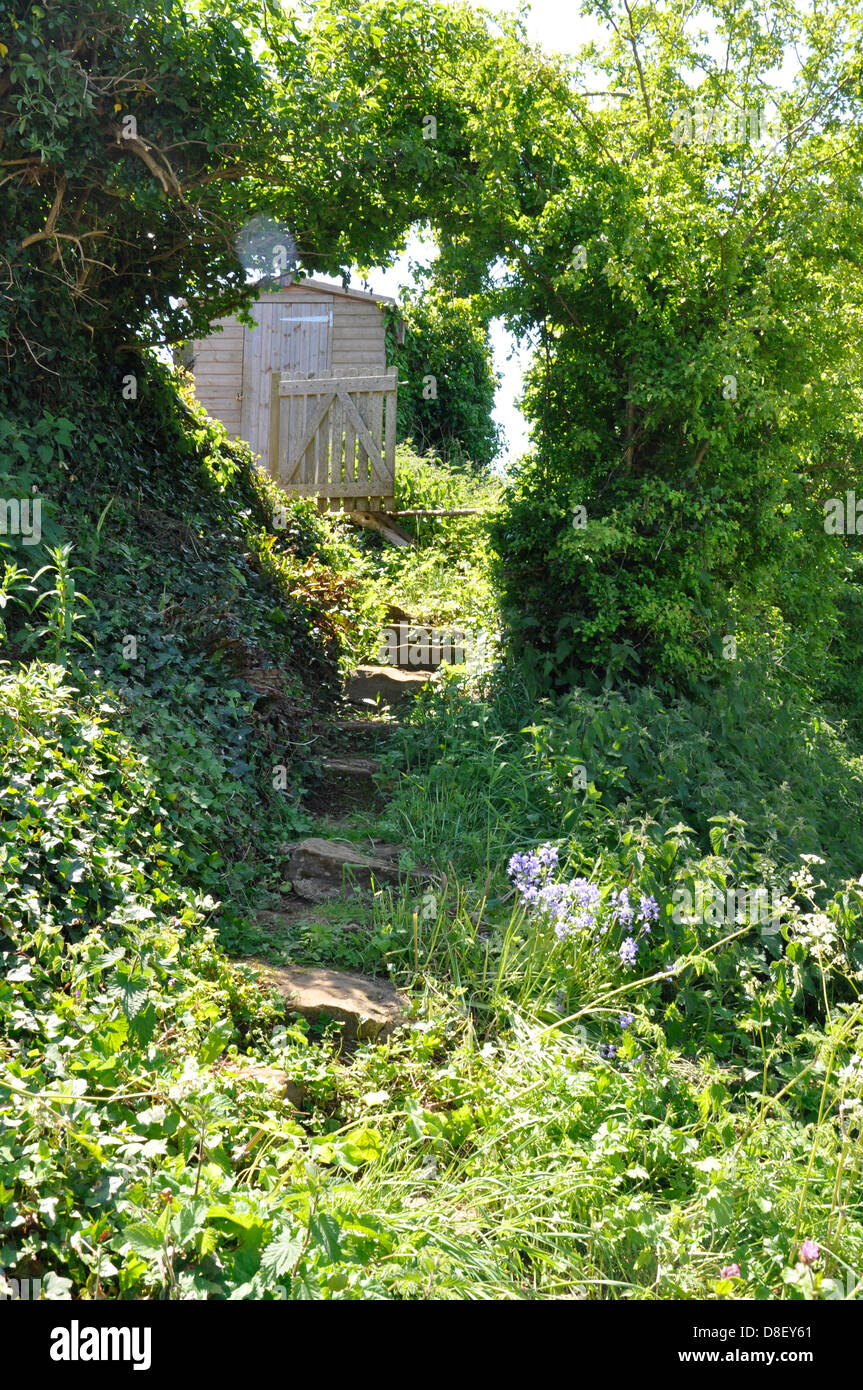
333 437
292 339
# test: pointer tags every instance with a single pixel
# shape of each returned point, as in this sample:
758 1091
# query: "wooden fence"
333 437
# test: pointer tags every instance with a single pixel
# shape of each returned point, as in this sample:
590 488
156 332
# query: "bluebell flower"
626 1019
648 912
621 907
628 951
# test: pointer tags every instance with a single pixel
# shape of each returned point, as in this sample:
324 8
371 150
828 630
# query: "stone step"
412 646
321 869
387 684
361 769
369 1010
273 1077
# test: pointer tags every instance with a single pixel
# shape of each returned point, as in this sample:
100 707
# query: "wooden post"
273 452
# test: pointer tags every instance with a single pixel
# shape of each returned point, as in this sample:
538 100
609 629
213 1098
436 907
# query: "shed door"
291 338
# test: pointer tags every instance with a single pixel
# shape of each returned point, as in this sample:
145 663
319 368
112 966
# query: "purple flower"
548 856
621 906
729 1272
626 1019
528 871
809 1252
607 1050
628 951
648 910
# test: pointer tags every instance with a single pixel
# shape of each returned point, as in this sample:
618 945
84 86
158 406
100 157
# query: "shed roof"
286 281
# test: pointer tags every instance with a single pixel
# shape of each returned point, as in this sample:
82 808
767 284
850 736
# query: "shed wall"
357 340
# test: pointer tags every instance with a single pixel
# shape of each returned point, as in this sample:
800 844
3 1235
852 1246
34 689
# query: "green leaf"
324 1230
215 1042
279 1257
144 1239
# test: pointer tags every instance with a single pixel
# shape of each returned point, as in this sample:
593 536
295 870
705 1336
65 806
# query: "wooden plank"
222 391
226 338
364 408
359 425
220 356
285 426
390 437
311 404
322 458
307 434
374 521
339 382
357 308
330 489
352 332
376 419
439 511
225 394
337 444
350 463
344 364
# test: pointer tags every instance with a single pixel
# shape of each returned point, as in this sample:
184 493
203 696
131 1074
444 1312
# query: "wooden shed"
308 389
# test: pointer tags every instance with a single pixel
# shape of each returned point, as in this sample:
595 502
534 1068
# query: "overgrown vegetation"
622 1080
447 397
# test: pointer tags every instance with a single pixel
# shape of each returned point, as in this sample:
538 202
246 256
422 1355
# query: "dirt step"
368 684
369 1010
369 728
344 784
321 869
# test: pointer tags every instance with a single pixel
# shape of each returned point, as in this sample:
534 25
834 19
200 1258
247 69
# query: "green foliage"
692 304
145 145
448 382
444 580
555 1123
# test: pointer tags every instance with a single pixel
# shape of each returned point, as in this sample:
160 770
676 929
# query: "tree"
448 381
138 142
698 303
